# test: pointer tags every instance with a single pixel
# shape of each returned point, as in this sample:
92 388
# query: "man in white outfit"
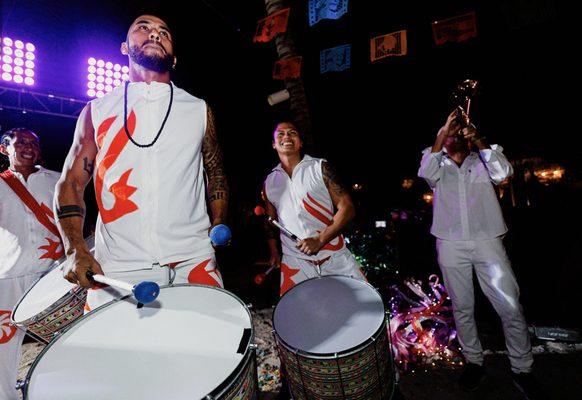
306 196
148 145
469 227
29 239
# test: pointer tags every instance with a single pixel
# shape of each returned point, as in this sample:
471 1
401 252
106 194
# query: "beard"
151 62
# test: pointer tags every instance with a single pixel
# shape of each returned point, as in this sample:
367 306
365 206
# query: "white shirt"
304 206
152 201
465 205
26 246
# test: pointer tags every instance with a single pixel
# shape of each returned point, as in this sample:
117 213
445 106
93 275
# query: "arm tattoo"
70 211
331 180
212 157
87 166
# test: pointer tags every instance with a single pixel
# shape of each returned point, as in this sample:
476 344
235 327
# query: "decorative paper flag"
335 59
274 24
455 29
392 44
287 68
326 9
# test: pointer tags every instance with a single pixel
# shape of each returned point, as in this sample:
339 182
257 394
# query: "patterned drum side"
363 374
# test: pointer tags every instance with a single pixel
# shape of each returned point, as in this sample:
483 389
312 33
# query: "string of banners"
336 59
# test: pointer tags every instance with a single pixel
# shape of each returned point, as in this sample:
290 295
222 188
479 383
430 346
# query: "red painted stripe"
316 213
319 205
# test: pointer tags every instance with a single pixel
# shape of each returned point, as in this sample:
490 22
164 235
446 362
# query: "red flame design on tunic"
323 218
53 249
121 190
7 330
200 275
287 274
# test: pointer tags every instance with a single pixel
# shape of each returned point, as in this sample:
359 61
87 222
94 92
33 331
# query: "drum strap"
39 211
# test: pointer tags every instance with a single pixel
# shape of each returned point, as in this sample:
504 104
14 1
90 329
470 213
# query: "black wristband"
70 211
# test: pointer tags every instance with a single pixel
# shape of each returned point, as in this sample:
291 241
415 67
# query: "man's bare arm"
272 234
213 165
342 201
69 203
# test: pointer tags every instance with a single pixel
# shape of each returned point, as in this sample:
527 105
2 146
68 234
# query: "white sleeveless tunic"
152 201
304 206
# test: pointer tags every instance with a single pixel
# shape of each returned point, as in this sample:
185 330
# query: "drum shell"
55 318
365 371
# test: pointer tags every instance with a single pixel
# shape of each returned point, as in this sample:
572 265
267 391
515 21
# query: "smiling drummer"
29 239
306 196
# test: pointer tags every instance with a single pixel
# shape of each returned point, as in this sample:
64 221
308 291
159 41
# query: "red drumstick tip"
259 211
259 279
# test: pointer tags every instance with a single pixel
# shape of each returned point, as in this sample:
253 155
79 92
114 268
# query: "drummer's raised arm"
69 203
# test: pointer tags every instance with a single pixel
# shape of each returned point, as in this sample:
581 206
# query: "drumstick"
260 211
144 292
260 278
220 235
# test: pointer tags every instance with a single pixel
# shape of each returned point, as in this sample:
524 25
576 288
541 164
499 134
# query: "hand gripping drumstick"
260 211
144 292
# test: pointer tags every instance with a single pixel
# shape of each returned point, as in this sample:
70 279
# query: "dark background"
371 121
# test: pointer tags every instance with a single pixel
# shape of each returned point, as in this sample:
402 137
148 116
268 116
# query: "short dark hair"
288 121
11 134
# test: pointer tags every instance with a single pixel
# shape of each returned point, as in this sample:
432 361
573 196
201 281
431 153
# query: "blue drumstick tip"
146 292
220 235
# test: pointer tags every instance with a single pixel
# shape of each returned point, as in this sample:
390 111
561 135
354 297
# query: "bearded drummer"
29 239
148 145
306 196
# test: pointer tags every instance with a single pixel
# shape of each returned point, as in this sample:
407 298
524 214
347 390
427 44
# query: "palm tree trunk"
297 99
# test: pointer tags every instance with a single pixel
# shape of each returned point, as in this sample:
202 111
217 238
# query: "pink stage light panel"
17 61
104 76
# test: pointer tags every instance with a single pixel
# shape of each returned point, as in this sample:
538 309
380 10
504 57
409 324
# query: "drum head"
45 292
328 315
182 346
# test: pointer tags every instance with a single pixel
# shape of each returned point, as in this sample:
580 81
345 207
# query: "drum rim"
343 353
236 371
57 304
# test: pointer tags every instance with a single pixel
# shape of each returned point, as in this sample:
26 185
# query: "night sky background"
371 121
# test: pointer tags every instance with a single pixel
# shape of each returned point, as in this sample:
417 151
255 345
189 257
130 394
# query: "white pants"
488 258
11 290
200 270
295 270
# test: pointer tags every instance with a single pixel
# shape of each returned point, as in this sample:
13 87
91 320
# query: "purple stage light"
104 76
17 62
